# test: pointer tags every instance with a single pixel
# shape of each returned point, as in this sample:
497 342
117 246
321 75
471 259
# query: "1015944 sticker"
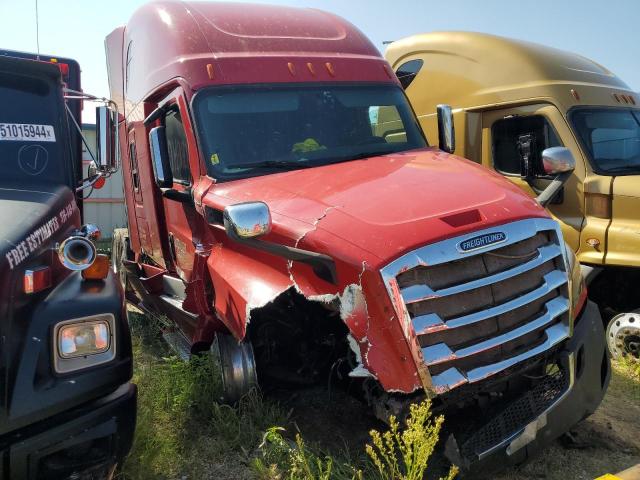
23 132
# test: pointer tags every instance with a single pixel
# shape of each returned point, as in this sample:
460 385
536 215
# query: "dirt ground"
606 442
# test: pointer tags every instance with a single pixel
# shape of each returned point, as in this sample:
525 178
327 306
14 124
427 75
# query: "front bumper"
588 371
84 443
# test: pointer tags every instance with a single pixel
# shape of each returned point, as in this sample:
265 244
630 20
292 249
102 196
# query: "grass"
184 432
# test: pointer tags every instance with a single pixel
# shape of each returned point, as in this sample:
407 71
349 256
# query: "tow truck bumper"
86 443
586 376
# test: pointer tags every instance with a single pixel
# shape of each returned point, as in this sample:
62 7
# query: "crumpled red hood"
384 205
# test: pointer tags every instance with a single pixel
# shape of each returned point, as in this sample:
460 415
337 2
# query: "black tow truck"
67 407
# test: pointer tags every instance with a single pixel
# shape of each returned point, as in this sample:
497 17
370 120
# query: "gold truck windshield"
611 138
251 131
32 144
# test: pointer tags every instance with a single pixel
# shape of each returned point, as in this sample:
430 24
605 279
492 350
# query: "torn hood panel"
385 205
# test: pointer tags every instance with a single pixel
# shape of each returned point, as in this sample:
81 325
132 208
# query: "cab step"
178 344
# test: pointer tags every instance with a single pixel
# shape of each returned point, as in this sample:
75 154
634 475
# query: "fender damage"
250 285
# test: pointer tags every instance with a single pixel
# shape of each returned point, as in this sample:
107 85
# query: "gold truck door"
506 133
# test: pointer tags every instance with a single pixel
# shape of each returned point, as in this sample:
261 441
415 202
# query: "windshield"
251 131
611 138
31 141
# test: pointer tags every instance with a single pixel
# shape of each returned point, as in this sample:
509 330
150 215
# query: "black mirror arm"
323 265
178 196
552 190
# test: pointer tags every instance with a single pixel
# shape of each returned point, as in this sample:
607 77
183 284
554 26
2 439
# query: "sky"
603 30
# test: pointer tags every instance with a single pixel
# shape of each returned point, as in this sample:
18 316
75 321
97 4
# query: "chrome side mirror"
91 231
160 157
556 160
107 148
446 129
247 220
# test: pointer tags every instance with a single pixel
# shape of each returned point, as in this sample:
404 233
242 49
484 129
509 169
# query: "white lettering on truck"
21 251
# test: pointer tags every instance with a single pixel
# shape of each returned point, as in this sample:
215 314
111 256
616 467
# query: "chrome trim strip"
452 377
446 250
432 322
440 352
418 293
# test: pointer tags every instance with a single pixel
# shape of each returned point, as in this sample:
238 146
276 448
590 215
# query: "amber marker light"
593 242
98 270
311 68
330 69
292 68
575 94
37 279
210 71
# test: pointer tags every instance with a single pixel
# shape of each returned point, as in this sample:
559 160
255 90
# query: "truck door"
509 134
183 225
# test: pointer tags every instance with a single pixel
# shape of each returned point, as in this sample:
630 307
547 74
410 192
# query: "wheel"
119 250
237 365
623 336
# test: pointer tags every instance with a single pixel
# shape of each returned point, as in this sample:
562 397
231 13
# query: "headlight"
578 290
84 342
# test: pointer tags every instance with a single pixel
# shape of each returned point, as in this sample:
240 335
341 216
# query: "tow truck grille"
480 311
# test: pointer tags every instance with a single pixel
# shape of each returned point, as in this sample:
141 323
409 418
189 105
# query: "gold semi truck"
513 99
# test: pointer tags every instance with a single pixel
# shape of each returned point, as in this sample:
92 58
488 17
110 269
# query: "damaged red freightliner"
285 209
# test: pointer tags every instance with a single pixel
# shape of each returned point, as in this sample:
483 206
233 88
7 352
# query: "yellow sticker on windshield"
214 159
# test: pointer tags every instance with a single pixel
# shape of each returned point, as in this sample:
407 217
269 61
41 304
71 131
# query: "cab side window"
407 72
512 135
177 148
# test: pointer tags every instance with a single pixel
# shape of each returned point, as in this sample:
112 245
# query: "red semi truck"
285 210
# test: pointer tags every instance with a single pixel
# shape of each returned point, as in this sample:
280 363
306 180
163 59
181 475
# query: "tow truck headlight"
83 343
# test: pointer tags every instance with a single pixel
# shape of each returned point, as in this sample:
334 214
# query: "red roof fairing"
244 43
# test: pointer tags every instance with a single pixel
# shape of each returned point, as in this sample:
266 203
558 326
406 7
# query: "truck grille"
480 311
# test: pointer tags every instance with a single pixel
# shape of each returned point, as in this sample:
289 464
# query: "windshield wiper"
280 164
623 168
357 156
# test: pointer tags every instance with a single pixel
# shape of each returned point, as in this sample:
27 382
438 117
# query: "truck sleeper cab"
67 409
285 210
506 117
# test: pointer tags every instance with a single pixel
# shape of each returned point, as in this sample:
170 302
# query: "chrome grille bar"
432 322
418 293
452 377
522 297
441 353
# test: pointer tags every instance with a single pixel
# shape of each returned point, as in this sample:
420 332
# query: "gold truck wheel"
623 336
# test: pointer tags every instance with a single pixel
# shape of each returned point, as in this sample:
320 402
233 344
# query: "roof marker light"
615 95
575 94
624 97
292 68
210 71
330 69
311 68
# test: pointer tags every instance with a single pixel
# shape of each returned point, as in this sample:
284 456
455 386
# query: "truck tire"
120 252
623 336
237 366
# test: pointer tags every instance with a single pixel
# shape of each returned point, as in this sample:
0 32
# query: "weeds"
404 455
183 431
